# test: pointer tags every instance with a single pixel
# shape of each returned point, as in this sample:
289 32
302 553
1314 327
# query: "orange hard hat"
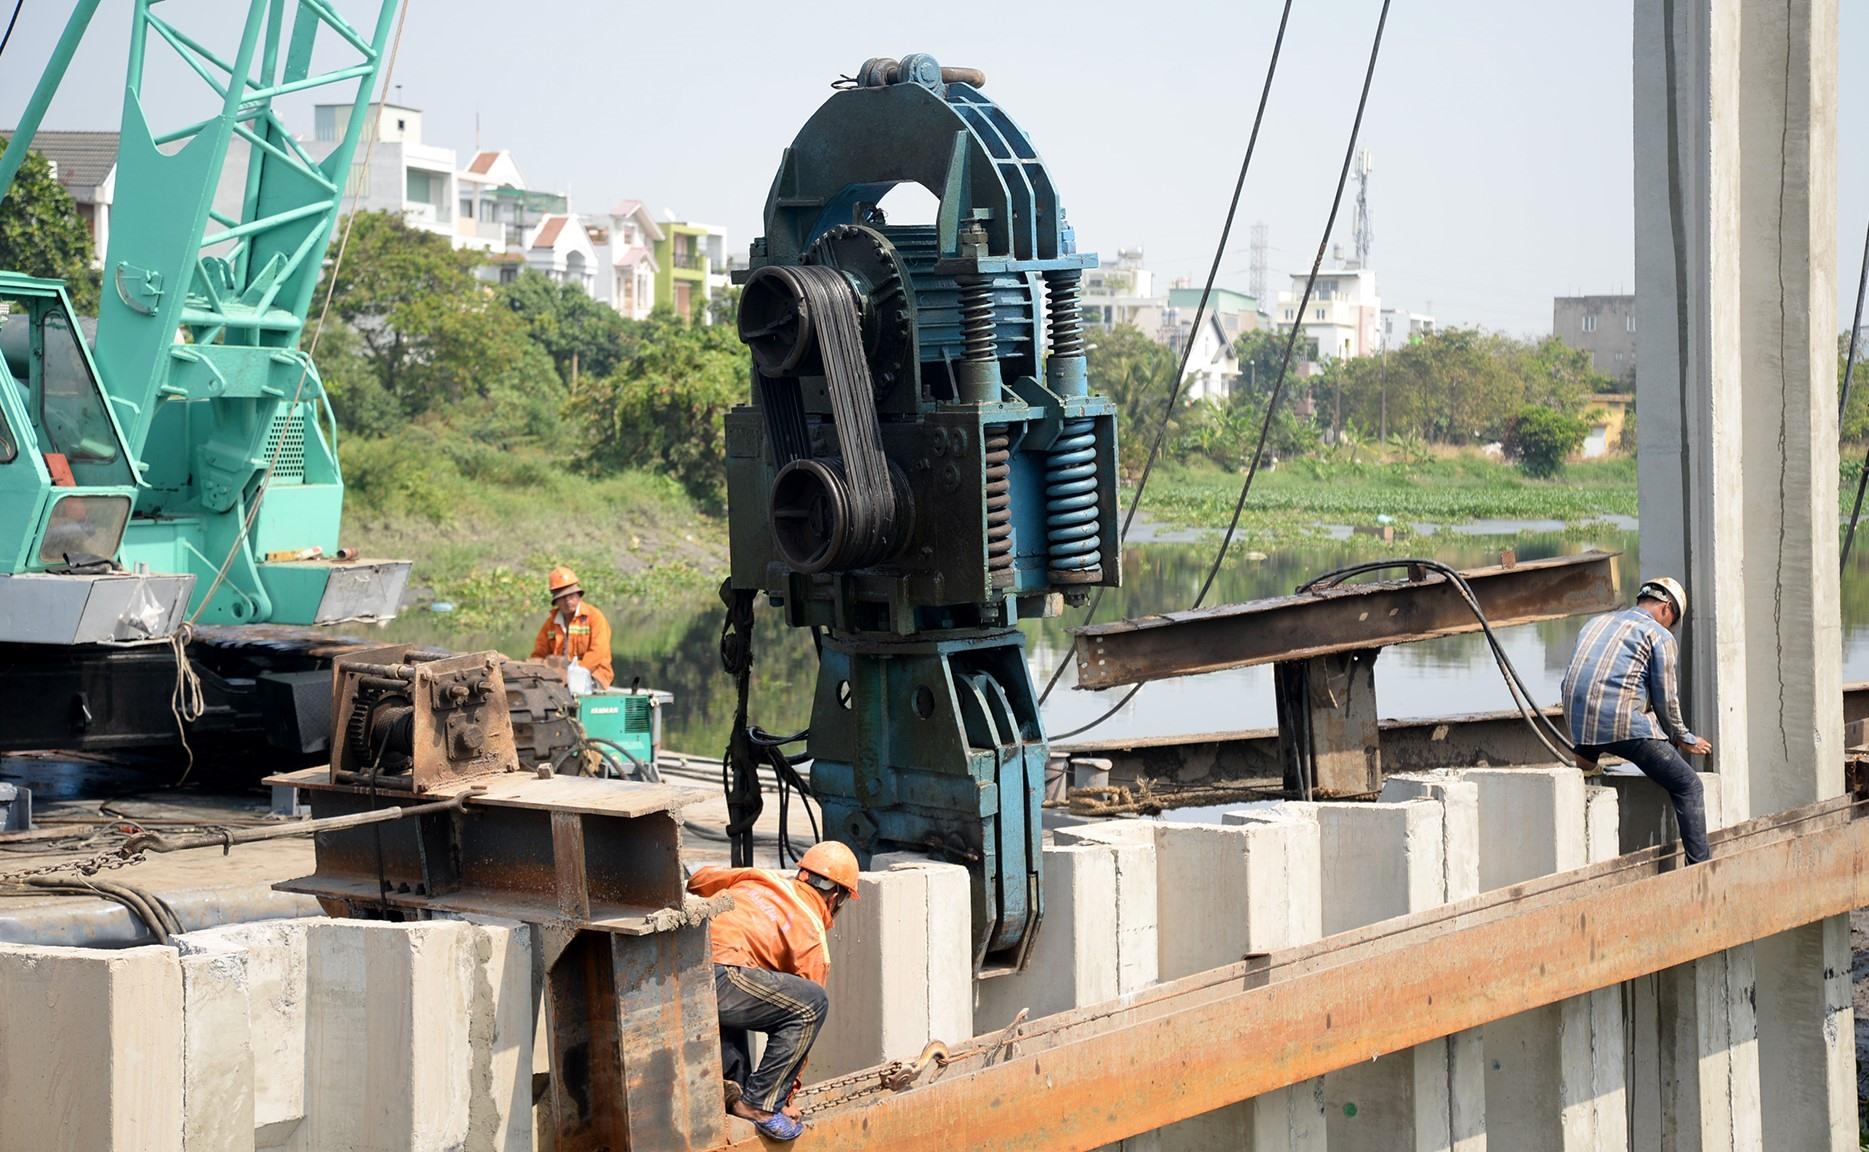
561 581
833 861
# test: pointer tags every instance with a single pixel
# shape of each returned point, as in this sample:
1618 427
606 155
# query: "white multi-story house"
1340 319
1122 293
628 257
1400 327
560 247
491 203
397 173
1213 362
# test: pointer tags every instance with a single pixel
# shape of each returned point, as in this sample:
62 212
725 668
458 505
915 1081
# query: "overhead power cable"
1843 404
1200 312
7 36
1284 364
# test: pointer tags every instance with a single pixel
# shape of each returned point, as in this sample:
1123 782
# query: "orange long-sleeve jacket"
586 640
777 922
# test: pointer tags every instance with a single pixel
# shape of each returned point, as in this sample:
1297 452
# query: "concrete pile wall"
290 1034
1133 901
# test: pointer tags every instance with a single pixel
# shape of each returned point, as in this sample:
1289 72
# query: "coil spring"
1064 312
998 506
1072 514
976 319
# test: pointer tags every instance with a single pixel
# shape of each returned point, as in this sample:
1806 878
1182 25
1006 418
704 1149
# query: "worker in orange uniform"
771 955
575 630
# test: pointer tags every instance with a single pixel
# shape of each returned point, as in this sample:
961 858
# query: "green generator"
632 720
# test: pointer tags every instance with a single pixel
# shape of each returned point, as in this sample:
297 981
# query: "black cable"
1284 365
644 772
7 36
1843 406
1174 391
1541 724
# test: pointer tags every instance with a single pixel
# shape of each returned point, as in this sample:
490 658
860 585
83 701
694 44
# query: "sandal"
779 1126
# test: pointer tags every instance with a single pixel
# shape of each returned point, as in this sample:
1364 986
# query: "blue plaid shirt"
1621 684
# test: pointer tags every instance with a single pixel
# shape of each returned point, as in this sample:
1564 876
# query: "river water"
675 646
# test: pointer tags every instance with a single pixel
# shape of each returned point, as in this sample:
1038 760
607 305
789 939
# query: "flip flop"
779 1126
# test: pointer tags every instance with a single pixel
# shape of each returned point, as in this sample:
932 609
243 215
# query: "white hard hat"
1669 589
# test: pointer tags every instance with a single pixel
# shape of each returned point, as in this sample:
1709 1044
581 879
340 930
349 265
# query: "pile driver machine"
922 466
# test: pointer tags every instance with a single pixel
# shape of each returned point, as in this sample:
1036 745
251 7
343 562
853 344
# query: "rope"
337 264
1284 364
1180 377
186 702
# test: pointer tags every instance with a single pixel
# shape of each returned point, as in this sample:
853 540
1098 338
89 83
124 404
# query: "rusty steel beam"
1106 1072
1348 618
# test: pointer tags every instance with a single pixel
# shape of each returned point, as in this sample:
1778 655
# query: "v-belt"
831 314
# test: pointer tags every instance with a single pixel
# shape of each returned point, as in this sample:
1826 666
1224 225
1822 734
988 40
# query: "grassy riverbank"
483 526
1294 499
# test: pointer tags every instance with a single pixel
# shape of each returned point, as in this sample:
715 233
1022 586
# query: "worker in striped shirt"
1621 697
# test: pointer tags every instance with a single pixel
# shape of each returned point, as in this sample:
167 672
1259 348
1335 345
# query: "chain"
88 866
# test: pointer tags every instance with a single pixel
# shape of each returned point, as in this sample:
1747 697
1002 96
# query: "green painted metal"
228 420
52 407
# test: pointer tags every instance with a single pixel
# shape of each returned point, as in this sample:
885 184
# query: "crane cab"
67 484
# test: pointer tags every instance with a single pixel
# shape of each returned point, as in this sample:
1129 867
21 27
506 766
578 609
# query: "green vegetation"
1449 488
1542 438
41 233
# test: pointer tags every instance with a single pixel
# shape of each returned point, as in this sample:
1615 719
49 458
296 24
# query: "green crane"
192 440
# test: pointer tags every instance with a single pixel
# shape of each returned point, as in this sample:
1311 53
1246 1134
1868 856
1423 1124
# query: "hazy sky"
1500 132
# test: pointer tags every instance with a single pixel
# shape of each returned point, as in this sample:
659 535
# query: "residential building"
1340 319
1121 293
85 165
560 247
1213 363
1237 312
1400 326
397 172
1607 414
628 256
691 266
1603 326
507 217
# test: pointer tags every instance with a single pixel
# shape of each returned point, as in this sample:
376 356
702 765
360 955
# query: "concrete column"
272 954
217 1049
419 1036
1075 959
1460 851
1222 892
901 974
91 1047
1735 165
1693 1070
1542 1090
1378 861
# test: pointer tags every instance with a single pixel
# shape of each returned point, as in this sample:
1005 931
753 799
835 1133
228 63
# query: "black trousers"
1661 763
789 1009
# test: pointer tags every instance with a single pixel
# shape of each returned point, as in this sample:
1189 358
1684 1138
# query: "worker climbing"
771 955
575 632
1621 697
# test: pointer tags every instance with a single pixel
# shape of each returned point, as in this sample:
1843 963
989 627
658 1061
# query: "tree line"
1455 386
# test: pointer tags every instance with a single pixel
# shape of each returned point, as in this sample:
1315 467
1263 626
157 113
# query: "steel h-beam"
1105 1072
1347 618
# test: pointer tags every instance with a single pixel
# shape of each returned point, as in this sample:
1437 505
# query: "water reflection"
675 646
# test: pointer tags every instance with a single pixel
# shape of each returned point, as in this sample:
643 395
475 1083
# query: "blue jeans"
789 1009
1661 763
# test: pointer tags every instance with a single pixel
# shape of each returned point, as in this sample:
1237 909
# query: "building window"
1320 313
1628 322
1589 323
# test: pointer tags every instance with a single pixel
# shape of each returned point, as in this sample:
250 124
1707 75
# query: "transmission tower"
1365 232
1256 277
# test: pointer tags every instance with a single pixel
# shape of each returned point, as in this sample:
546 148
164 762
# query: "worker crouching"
771 955
1621 697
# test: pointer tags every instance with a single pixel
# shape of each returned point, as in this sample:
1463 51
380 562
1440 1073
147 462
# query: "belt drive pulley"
828 513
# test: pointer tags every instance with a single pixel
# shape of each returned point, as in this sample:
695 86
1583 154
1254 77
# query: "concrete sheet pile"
291 1034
